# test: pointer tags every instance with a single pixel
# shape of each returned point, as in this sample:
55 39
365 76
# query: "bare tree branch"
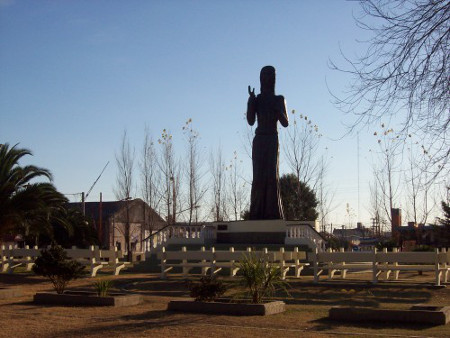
405 72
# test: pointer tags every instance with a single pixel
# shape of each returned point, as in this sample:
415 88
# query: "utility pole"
83 204
100 220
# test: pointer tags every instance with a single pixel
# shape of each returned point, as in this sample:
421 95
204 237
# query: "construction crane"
95 182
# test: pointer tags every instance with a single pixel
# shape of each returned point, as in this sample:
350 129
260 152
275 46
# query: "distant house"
360 238
110 219
423 234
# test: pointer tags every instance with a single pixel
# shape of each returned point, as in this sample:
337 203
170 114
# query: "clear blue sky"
75 74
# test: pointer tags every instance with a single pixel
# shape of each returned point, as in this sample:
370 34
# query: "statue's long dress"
265 197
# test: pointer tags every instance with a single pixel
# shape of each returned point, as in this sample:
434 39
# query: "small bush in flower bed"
56 265
207 289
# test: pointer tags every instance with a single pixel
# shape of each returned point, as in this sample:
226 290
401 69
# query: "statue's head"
267 78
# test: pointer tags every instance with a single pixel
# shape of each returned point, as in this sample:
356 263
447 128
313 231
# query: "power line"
93 184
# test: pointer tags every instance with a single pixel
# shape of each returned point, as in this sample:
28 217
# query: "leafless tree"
125 183
169 176
300 146
150 177
217 170
375 208
302 154
247 139
418 188
387 169
194 174
350 215
178 207
325 195
405 72
238 191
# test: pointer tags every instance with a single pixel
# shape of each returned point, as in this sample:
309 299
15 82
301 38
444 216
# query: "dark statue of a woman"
268 109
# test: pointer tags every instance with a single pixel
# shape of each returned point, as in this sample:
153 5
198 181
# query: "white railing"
296 234
303 234
181 234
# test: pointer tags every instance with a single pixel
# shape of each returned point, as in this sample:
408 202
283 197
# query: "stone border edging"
225 308
10 293
83 298
418 314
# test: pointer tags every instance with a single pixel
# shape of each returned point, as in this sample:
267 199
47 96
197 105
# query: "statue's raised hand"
251 92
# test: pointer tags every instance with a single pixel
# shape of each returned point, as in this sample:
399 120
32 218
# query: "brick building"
110 219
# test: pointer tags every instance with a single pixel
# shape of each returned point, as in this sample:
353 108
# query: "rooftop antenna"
95 182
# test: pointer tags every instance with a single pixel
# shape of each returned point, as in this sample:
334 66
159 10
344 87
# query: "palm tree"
25 207
77 229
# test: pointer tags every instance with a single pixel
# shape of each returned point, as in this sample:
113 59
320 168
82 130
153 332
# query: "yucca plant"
102 287
260 278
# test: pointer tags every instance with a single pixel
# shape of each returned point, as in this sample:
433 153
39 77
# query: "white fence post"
163 262
315 265
204 268
374 267
437 271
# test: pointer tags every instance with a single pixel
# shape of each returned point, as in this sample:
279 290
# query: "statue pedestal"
251 232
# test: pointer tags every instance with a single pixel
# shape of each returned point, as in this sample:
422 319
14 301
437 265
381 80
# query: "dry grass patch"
306 315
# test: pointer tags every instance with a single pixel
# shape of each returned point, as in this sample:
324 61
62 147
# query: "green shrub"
260 278
102 287
207 289
56 265
388 244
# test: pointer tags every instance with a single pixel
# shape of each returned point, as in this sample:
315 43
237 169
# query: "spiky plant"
102 287
260 278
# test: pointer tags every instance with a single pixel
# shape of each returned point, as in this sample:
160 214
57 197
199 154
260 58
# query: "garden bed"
418 314
87 298
10 293
227 307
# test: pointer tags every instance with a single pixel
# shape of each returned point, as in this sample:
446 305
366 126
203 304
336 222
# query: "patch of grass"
306 315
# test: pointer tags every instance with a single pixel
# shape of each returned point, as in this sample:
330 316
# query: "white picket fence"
381 264
93 258
212 261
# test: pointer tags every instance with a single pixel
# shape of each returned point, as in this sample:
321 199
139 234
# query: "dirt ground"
306 315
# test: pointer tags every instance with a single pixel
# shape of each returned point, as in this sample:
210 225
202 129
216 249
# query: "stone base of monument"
252 232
